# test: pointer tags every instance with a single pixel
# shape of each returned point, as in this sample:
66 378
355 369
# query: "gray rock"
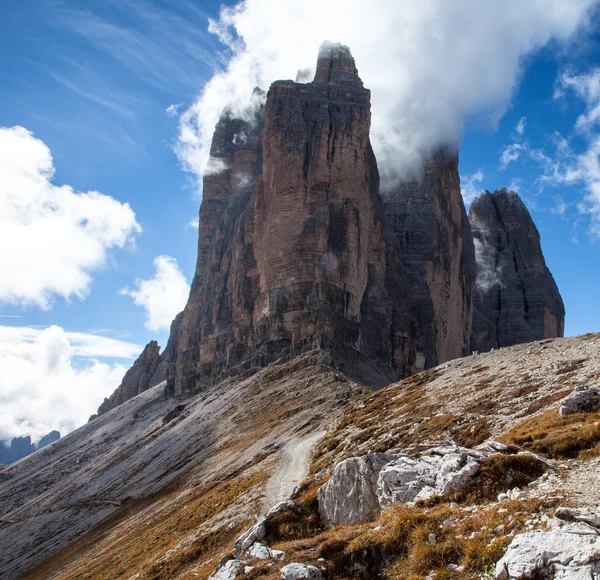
516 299
252 535
428 220
227 571
440 471
350 497
562 554
578 515
581 400
296 571
259 551
258 531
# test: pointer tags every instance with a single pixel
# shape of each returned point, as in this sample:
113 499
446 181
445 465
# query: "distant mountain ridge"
22 447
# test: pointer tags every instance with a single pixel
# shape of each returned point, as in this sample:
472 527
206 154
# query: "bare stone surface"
516 298
568 553
439 471
431 230
350 496
228 571
581 400
295 571
360 487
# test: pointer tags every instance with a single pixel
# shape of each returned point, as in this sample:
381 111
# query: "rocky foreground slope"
162 487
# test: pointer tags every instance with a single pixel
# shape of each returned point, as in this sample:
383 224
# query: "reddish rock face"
516 298
300 260
432 232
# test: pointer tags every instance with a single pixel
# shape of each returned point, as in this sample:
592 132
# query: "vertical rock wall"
516 297
432 232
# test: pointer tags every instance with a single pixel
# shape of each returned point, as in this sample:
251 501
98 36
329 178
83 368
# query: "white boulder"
297 571
350 496
258 531
259 551
581 400
571 552
252 535
227 571
439 471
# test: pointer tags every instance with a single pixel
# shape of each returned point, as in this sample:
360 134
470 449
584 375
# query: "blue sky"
116 92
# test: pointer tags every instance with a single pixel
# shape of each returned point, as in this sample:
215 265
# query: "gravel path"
292 469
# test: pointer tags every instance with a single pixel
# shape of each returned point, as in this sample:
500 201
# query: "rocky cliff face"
516 298
432 232
148 370
300 258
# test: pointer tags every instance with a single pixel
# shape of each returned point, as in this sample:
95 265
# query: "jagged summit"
335 65
516 299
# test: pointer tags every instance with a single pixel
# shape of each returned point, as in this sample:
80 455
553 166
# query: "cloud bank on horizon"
431 66
51 379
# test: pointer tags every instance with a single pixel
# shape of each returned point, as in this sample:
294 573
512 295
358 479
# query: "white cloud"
53 379
51 237
430 65
162 296
194 223
520 128
469 187
173 110
587 88
570 167
509 154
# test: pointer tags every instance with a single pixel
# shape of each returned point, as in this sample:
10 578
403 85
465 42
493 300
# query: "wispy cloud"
509 154
158 46
563 164
470 186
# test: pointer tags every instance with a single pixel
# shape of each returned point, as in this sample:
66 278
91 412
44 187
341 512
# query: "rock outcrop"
568 551
350 496
581 400
432 232
295 571
297 257
516 298
361 487
148 370
441 471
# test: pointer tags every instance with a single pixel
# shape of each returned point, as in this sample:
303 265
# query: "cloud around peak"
431 65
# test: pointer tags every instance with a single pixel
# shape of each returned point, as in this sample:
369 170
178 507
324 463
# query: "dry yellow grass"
557 437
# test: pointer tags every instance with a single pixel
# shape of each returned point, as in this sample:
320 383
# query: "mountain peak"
335 65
